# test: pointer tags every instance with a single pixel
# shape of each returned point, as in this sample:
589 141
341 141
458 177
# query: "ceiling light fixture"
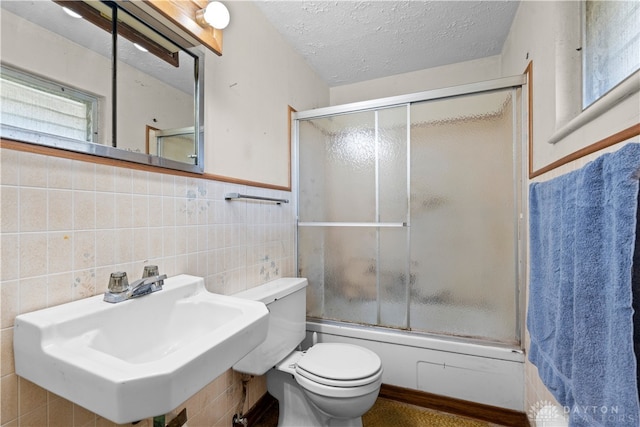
215 15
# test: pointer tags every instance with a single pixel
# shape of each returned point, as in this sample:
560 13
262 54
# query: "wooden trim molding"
57 152
183 14
99 18
147 138
232 180
529 73
290 111
465 408
616 138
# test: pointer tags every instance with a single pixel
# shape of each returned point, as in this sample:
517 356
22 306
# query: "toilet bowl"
314 389
329 384
341 380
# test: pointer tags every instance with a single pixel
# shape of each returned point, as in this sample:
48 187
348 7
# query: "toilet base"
295 408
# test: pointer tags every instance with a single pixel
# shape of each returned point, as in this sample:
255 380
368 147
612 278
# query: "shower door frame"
520 187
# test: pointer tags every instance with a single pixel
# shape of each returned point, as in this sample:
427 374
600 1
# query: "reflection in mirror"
46 66
176 143
58 89
155 90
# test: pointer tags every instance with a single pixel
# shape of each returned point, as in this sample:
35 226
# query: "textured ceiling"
351 41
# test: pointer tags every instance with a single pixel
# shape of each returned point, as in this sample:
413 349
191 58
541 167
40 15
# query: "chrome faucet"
120 289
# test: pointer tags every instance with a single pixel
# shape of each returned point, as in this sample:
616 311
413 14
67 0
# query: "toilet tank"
286 299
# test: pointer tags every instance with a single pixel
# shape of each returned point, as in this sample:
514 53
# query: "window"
611 35
29 103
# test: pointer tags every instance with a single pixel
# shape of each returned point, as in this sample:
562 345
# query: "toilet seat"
339 365
339 383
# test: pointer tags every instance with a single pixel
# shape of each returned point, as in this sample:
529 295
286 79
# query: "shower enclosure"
409 211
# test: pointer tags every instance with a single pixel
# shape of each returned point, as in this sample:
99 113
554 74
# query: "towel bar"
231 196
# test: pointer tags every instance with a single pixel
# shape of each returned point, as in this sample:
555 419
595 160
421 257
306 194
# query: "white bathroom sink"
138 358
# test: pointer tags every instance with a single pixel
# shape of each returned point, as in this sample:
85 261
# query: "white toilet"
330 384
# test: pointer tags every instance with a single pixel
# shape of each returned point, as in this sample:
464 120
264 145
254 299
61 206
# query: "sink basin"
138 358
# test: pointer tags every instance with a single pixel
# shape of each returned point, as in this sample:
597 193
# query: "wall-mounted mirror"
75 78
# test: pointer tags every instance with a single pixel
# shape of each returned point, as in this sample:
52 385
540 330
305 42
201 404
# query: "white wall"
536 35
247 92
418 81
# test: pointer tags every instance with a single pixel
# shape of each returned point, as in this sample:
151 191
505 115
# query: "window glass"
33 104
611 46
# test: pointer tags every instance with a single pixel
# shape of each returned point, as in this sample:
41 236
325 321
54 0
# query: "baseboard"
265 404
479 411
465 408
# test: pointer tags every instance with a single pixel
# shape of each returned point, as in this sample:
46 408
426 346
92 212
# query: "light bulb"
217 15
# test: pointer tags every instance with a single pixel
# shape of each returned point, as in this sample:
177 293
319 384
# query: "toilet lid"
341 362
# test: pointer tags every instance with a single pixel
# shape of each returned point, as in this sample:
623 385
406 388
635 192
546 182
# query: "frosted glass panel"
312 205
337 182
356 274
311 264
348 272
355 167
463 254
393 267
392 164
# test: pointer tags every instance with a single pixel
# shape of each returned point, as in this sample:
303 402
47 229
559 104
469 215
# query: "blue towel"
580 315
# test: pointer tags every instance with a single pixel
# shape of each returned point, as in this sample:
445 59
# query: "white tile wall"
65 225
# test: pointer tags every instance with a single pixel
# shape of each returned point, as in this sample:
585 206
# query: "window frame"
584 60
570 115
51 87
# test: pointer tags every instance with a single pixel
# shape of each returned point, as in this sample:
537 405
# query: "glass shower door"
464 216
408 215
352 230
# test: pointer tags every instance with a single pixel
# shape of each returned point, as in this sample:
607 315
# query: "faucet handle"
118 282
150 271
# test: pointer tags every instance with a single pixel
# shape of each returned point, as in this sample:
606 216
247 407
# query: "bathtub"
492 375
